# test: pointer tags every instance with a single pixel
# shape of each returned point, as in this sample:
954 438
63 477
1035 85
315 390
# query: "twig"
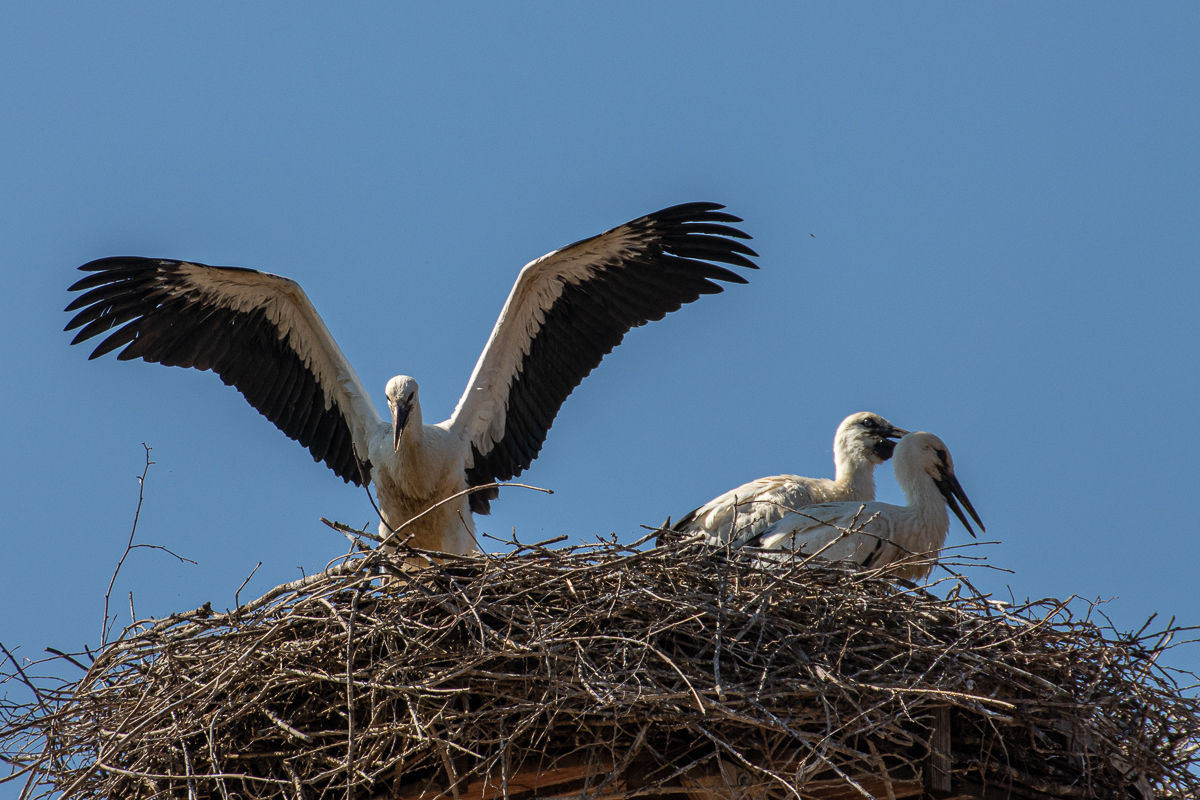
353 534
237 595
129 545
25 678
66 657
167 550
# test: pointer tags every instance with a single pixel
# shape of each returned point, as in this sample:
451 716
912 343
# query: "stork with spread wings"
260 334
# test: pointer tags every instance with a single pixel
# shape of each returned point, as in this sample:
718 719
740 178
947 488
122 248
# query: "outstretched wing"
258 331
569 309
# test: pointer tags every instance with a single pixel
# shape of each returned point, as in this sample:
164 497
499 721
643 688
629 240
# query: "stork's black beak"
399 420
885 447
952 490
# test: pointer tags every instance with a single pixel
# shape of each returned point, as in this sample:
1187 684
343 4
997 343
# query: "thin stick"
236 602
129 545
25 678
66 657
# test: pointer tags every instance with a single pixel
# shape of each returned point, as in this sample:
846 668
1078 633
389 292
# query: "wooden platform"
574 777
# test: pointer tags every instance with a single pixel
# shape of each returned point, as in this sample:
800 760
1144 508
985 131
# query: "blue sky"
974 219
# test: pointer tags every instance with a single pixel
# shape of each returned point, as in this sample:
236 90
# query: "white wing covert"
747 511
814 528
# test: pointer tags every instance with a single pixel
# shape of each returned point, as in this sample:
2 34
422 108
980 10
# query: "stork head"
922 452
868 435
401 398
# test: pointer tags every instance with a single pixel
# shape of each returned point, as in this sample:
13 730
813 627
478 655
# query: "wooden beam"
937 766
726 782
538 781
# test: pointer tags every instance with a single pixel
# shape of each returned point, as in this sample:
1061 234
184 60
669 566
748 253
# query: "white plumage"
261 334
862 441
883 533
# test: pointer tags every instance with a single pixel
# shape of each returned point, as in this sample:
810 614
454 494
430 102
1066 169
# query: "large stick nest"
602 671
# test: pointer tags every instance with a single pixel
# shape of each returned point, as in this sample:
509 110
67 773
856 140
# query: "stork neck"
925 500
412 459
855 475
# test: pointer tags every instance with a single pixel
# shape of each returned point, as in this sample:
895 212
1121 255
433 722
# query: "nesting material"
604 672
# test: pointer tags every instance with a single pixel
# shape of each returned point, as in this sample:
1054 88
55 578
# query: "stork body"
885 533
426 468
260 333
862 441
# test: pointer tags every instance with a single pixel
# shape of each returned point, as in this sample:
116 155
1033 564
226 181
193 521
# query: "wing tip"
109 262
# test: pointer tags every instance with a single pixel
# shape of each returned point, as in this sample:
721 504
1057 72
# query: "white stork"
260 333
862 441
890 533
